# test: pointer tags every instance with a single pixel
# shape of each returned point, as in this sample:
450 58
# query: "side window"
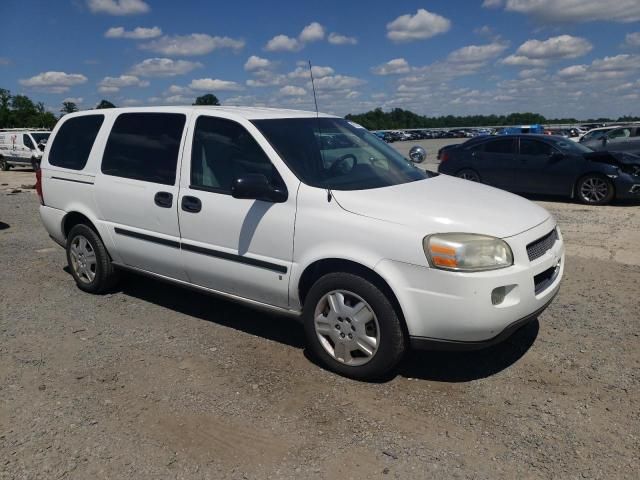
534 147
144 146
224 150
620 133
499 146
74 140
27 142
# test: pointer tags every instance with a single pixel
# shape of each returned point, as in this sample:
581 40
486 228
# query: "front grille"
542 245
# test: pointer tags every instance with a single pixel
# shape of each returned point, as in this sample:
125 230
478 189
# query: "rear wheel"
468 174
352 327
35 164
89 260
595 190
4 166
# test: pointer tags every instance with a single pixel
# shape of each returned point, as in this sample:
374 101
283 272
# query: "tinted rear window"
499 146
144 146
73 142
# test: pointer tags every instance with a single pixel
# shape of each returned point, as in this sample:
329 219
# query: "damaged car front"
626 172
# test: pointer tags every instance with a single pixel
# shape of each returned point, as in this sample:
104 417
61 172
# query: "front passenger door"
241 247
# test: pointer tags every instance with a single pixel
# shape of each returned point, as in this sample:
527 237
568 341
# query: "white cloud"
176 89
118 7
338 82
575 11
311 33
337 39
292 91
282 43
521 60
606 68
138 33
256 63
214 84
392 67
563 46
173 99
492 3
191 45
477 53
131 102
114 84
632 39
53 82
531 72
423 24
318 72
163 67
76 100
266 78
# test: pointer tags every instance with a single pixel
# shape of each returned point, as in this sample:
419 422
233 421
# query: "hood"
614 158
446 204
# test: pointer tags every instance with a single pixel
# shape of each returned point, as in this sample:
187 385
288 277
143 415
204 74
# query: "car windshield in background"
568 146
41 137
334 153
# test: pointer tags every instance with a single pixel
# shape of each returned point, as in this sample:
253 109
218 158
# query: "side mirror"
255 186
417 154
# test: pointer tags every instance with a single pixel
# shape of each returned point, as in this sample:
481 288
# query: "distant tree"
105 104
68 107
208 99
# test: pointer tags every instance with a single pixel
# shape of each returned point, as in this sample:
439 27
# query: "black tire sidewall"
392 339
610 195
469 170
104 270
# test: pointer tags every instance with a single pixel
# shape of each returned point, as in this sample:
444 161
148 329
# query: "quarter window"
144 146
224 150
74 140
499 146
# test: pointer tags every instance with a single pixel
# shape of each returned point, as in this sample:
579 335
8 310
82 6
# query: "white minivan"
372 253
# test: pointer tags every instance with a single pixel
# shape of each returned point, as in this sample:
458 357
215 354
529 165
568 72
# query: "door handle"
163 199
191 204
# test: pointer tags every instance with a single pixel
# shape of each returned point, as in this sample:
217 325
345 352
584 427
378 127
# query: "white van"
373 254
20 147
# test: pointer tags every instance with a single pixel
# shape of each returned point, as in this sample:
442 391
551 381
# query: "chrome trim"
229 296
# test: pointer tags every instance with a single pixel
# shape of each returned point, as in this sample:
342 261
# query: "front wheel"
595 190
352 327
89 260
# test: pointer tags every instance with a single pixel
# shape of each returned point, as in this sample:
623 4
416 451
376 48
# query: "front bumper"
443 306
627 186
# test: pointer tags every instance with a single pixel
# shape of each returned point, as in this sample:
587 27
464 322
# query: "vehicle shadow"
278 328
4 226
454 367
451 367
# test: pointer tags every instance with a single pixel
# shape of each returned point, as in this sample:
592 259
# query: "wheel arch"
323 266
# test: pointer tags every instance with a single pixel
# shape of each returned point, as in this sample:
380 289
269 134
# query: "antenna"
313 85
315 100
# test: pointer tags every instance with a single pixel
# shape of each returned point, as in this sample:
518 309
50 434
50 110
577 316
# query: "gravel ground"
154 381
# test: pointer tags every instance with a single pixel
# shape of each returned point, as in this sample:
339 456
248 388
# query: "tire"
594 189
362 348
35 164
469 174
89 261
4 166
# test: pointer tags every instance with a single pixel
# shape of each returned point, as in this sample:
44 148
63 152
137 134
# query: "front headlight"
467 252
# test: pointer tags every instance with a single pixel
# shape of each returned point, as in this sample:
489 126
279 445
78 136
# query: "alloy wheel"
594 190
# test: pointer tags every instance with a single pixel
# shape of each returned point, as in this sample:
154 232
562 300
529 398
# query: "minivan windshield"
337 154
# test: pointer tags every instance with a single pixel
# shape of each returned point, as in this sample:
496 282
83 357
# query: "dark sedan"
546 165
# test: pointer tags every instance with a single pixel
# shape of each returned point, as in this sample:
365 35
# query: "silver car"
620 139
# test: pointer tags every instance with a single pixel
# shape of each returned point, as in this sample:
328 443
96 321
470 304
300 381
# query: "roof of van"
249 113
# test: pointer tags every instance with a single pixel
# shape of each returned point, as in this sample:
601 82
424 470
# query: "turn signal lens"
467 252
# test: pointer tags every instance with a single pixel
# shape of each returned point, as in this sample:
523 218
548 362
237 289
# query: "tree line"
19 111
398 119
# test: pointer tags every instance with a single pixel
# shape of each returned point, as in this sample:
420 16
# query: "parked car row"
390 136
